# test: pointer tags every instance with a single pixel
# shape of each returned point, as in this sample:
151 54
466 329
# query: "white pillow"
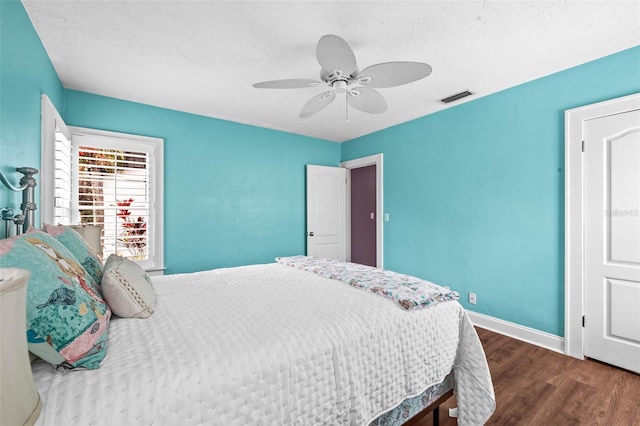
127 288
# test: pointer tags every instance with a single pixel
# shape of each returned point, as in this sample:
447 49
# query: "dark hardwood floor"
535 386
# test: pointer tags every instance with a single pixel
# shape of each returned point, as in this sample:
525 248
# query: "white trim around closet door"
574 223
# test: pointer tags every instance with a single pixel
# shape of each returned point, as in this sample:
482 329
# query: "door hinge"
582 146
583 320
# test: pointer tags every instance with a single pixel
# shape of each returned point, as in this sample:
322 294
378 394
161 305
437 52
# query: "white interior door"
326 212
612 239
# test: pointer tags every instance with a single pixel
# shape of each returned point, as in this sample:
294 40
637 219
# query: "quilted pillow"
79 248
67 319
127 288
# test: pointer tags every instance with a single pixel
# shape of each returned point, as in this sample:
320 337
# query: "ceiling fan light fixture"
340 86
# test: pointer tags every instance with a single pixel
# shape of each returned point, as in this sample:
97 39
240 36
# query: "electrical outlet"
472 298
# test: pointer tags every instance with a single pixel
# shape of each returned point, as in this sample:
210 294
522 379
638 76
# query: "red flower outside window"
134 233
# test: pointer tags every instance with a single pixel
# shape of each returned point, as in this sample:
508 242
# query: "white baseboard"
520 332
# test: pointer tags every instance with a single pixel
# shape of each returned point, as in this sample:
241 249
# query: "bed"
300 341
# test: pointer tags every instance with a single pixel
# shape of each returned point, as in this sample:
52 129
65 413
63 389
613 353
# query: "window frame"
154 264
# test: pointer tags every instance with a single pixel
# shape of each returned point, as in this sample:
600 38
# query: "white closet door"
612 239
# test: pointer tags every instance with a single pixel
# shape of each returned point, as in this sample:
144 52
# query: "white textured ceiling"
202 57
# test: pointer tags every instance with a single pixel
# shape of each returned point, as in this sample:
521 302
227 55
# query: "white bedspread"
269 345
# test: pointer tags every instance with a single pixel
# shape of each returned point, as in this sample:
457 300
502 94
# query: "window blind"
113 191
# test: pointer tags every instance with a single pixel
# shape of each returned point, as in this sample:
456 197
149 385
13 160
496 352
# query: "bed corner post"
28 205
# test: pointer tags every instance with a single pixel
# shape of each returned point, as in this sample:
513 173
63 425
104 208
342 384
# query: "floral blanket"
410 292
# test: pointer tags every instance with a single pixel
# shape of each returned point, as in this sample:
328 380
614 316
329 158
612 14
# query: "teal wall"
475 193
234 194
25 73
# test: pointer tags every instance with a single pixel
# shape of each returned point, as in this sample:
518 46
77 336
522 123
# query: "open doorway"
365 210
363 214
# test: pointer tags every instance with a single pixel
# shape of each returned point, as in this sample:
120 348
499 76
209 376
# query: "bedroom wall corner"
26 72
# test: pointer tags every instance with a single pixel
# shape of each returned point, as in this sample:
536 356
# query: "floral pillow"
79 248
127 288
67 319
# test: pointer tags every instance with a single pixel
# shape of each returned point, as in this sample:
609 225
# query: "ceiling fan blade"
390 74
334 53
367 99
317 103
292 83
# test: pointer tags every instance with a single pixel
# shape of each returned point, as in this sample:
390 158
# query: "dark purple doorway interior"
363 215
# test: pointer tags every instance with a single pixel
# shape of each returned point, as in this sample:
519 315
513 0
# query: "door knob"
311 234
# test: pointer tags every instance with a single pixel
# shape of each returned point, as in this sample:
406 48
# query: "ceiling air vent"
455 97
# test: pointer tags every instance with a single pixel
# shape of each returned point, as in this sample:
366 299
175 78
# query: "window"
108 179
113 184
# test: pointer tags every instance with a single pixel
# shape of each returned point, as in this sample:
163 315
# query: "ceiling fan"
340 73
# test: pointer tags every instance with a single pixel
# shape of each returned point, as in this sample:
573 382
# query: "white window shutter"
62 172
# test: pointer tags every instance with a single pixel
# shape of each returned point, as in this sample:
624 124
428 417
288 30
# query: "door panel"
326 212
624 189
623 294
612 239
